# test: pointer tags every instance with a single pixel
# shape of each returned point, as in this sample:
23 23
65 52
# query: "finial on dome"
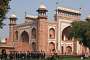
42 10
88 18
42 5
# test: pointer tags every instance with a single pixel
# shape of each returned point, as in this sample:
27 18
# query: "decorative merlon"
69 10
31 16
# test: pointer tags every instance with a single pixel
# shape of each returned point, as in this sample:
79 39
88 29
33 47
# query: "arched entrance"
65 34
51 46
25 37
33 46
62 50
68 50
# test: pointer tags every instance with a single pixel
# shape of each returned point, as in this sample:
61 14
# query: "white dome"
88 17
42 6
13 16
3 41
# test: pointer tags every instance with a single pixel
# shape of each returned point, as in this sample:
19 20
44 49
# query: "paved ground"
74 59
69 58
56 58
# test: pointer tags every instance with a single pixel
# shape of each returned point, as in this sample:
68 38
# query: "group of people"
14 55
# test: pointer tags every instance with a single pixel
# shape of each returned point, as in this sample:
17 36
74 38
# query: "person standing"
4 55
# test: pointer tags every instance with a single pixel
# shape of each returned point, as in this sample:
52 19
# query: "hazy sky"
19 7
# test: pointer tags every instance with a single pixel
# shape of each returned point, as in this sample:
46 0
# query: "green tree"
4 6
77 32
80 30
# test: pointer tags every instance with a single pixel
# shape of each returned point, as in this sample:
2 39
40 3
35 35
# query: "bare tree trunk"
75 47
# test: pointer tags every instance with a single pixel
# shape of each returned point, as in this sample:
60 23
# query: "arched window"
33 33
16 35
65 34
25 37
51 33
33 46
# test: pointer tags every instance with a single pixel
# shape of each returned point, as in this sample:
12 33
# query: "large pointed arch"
25 36
65 34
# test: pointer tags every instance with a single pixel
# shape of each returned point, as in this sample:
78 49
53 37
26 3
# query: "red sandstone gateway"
38 33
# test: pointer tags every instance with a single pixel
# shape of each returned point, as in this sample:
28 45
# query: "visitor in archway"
4 55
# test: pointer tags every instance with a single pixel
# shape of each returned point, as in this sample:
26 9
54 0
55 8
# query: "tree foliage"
4 6
80 30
